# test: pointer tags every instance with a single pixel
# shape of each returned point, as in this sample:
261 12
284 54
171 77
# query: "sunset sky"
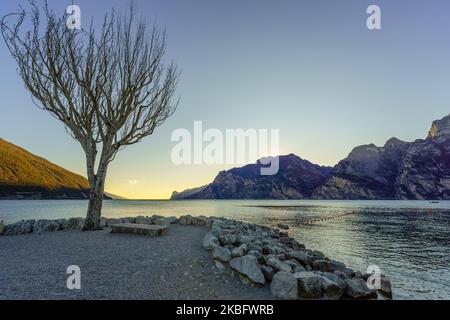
311 69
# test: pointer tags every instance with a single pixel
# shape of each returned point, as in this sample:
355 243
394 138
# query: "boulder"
284 286
210 241
272 249
335 278
339 266
293 263
217 225
239 251
309 286
268 272
300 256
386 287
44 225
200 221
221 254
21 227
245 238
73 223
299 268
357 289
162 221
278 265
255 247
328 265
172 219
331 289
248 266
186 220
342 275
128 220
228 238
219 265
111 221
256 254
143 220
61 222
281 234
292 243
266 257
317 255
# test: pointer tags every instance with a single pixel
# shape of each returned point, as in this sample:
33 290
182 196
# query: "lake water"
408 240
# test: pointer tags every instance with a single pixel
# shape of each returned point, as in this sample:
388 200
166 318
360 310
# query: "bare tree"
109 88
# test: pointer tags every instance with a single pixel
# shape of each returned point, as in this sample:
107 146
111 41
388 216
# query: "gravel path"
116 266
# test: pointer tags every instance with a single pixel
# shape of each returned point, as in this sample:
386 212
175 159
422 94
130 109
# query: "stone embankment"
259 255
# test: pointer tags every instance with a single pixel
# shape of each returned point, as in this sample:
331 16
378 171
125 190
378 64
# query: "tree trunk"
94 210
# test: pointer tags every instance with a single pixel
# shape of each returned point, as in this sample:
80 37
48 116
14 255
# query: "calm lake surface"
408 241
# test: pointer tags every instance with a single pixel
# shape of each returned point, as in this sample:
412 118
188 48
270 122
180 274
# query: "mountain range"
24 175
418 170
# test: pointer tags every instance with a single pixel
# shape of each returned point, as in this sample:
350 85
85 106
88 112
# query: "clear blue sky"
309 68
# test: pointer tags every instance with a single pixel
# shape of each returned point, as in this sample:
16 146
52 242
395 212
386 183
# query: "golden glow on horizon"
156 190
159 183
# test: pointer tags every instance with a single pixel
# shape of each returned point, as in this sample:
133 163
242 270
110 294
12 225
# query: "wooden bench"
142 229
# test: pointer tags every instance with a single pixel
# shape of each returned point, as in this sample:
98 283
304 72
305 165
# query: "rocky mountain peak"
414 170
394 143
366 151
439 128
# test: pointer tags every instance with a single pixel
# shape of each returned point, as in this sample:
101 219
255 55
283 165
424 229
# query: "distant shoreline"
261 206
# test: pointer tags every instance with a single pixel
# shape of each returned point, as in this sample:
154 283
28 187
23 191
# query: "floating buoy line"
328 218
323 219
